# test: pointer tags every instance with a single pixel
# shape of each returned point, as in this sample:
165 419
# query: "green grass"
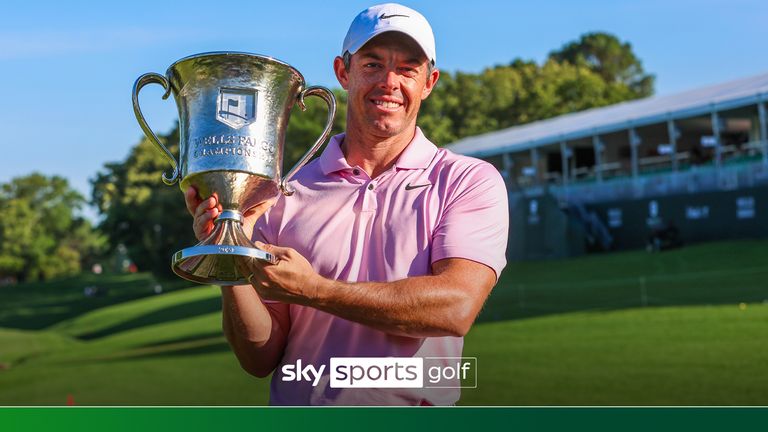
620 329
39 305
696 355
714 273
139 358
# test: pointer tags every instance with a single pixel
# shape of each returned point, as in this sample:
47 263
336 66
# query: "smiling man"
389 246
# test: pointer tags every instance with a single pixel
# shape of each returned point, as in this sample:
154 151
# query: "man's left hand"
291 280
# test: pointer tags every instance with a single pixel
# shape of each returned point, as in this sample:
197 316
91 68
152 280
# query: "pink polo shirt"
432 204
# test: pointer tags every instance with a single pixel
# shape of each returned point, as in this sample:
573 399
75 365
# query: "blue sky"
67 68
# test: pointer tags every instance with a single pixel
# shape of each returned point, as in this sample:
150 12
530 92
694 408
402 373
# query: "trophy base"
213 260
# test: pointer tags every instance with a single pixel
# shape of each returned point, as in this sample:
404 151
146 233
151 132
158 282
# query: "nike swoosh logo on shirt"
411 187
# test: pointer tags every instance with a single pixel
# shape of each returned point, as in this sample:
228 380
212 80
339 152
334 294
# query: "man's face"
386 81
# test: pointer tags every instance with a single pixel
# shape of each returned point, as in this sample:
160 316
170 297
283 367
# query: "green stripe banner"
379 419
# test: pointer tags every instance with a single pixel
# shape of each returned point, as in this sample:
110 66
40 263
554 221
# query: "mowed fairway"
138 359
620 329
698 355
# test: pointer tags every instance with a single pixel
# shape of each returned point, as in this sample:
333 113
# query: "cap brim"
359 44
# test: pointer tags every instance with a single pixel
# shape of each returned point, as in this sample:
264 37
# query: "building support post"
507 164
535 163
718 144
673 135
564 160
634 144
597 145
763 132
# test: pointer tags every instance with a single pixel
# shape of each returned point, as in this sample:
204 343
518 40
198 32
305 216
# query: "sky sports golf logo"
387 372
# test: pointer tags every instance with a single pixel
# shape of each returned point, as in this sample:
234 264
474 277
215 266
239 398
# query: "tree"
140 211
305 127
610 58
595 71
41 236
466 104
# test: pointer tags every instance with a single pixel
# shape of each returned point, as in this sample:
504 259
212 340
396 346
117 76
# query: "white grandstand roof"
621 116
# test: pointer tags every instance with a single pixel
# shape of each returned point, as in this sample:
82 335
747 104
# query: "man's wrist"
319 289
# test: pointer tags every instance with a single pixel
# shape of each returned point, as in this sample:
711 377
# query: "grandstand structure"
611 177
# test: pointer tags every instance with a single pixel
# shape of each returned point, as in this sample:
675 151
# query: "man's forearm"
417 307
444 303
255 335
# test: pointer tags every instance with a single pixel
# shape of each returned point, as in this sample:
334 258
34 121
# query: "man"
389 246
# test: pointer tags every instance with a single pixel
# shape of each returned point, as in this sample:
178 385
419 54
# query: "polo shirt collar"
332 159
417 155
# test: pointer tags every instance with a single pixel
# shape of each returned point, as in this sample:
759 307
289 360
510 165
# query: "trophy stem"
213 260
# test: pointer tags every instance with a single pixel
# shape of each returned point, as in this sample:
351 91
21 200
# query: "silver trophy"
233 113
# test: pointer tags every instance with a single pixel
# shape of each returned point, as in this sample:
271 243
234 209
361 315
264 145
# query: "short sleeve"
266 227
261 232
264 231
475 222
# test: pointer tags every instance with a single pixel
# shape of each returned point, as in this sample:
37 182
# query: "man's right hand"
205 212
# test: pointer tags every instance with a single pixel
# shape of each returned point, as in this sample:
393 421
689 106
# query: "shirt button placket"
369 197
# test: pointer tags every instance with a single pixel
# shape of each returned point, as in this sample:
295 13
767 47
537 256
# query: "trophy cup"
233 113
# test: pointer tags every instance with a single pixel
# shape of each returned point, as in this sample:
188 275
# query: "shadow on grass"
217 347
191 338
199 344
714 273
563 287
35 306
168 314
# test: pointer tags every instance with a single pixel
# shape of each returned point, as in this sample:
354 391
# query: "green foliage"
140 211
595 71
40 235
465 104
306 126
613 60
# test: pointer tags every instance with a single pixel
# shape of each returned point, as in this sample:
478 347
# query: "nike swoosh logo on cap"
385 16
411 187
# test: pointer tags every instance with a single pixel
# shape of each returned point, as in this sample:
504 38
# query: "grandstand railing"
746 170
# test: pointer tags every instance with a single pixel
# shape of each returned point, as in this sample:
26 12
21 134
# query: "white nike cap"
390 17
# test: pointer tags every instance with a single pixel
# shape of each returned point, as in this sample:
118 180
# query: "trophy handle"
328 97
154 78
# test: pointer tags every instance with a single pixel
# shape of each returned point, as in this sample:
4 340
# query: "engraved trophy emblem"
233 114
235 107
